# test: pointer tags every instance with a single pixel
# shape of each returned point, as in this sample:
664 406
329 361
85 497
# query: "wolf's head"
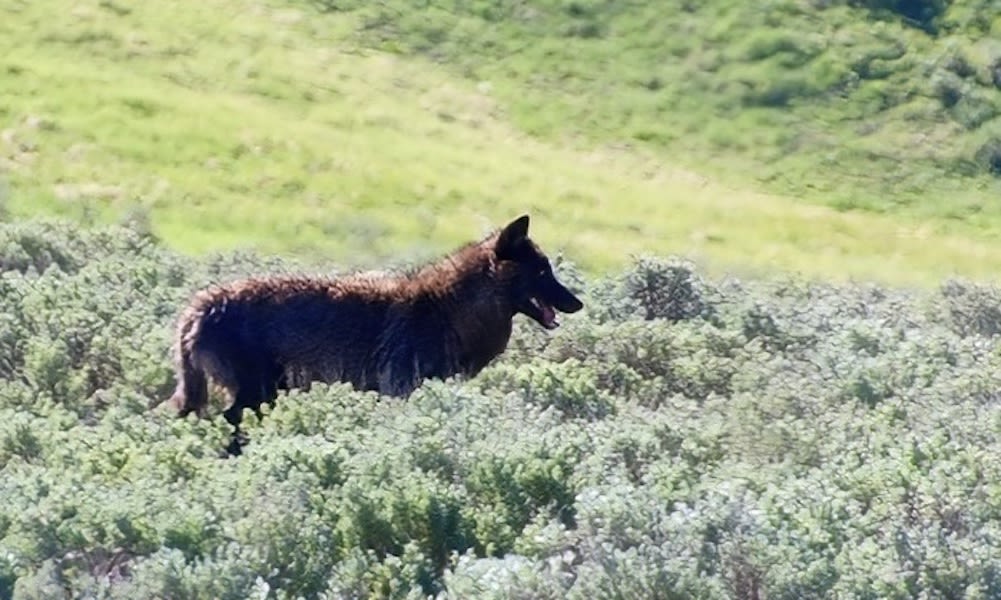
534 289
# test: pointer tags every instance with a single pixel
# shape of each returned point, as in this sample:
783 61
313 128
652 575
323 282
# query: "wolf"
378 331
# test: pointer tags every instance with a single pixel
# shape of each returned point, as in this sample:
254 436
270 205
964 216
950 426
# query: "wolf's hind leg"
257 385
247 395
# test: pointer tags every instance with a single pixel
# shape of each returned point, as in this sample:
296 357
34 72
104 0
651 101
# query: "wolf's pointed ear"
509 237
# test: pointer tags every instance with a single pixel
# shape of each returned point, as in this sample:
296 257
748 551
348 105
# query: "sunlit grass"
233 124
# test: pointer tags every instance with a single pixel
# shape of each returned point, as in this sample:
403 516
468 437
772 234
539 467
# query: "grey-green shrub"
681 437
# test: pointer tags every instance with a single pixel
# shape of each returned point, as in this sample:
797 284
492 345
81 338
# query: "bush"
921 13
988 156
972 309
668 290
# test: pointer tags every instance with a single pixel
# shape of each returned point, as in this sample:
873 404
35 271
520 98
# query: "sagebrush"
687 437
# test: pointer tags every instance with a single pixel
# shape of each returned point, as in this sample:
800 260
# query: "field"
782 218
372 130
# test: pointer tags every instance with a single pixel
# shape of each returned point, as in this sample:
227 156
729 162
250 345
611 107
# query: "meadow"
356 132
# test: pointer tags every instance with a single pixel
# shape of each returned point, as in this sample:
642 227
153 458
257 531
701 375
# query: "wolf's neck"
477 315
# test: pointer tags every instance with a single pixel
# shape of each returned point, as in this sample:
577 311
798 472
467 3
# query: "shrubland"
684 436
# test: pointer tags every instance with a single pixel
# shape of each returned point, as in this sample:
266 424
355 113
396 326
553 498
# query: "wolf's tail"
192 393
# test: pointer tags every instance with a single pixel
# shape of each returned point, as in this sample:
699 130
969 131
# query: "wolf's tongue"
548 315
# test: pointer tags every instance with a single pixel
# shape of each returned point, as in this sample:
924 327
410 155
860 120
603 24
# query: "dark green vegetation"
683 437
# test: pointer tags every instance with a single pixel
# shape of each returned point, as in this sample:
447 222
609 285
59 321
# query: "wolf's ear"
509 237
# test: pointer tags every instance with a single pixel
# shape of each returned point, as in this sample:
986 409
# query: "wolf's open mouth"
547 314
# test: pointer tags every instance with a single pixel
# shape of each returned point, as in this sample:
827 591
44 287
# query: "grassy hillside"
683 437
358 131
888 106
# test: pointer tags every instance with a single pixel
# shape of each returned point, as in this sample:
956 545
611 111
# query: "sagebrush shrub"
972 309
669 290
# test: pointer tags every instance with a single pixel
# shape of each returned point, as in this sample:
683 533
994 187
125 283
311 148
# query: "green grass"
276 126
843 105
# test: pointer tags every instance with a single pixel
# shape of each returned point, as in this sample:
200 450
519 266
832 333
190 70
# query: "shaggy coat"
379 332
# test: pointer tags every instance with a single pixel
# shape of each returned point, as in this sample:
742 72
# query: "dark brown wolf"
380 332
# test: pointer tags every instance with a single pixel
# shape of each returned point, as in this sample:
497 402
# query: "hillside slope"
349 134
872 103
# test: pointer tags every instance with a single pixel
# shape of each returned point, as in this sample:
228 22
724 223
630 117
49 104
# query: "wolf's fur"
379 332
